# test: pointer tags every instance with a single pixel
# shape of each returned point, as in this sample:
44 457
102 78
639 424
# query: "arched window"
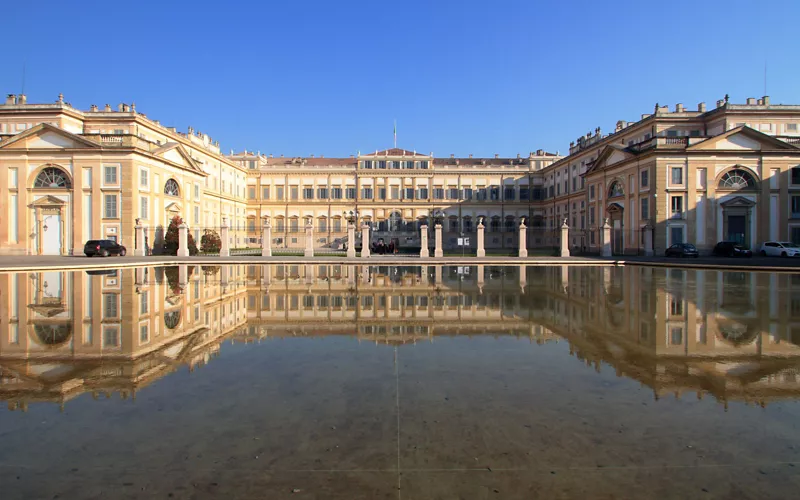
171 188
737 179
615 189
52 178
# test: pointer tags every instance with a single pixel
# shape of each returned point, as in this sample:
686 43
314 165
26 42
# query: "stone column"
438 252
224 277
564 239
266 239
423 241
139 251
183 276
437 275
523 278
351 275
365 241
648 241
309 251
183 240
606 239
351 240
266 275
364 275
225 247
481 249
523 240
309 272
481 278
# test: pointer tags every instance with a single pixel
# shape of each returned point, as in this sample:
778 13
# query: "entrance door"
676 234
736 228
617 248
51 234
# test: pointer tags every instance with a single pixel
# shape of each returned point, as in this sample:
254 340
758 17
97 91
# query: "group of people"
381 248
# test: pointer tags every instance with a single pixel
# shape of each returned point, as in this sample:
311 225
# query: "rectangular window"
795 206
509 194
144 178
645 208
677 206
350 193
524 194
423 164
395 192
591 216
795 175
251 193
422 193
676 234
336 193
110 174
409 194
481 193
110 305
677 175
294 191
591 192
322 193
366 193
143 208
644 176
308 193
143 303
110 337
468 193
279 192
110 206
438 193
382 164
494 193
197 215
144 334
453 193
265 193
574 183
197 192
381 193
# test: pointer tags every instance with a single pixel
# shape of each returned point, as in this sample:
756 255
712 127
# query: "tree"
171 239
210 242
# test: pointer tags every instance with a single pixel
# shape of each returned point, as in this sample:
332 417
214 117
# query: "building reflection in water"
731 335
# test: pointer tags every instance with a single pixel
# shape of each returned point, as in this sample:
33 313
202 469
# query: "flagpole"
395 134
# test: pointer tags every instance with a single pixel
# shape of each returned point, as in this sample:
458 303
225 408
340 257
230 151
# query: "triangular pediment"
609 156
177 154
47 201
737 201
46 136
174 207
743 139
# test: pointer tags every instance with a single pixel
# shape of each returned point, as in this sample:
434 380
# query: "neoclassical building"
699 176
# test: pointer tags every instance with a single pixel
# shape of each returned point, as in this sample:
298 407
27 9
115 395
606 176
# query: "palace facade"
699 176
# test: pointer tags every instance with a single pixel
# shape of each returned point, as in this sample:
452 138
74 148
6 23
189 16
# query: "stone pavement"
36 263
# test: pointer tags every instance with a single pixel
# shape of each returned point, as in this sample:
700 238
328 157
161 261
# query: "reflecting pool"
324 381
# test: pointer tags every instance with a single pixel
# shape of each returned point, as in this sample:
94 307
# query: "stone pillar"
309 272
481 249
423 241
564 239
224 277
523 278
139 251
225 246
309 251
183 240
365 275
266 275
351 240
266 239
648 241
183 276
481 278
564 278
606 239
351 275
523 240
437 274
365 241
438 252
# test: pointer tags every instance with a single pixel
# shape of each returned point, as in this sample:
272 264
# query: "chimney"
107 108
281 156
452 155
312 156
701 107
172 129
720 103
766 100
760 102
518 156
679 108
751 101
540 152
119 107
620 126
22 99
126 108
470 155
11 99
93 108
496 156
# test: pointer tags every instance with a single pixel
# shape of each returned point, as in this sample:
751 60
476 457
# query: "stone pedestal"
564 239
648 241
140 249
523 278
266 239
437 251
183 240
183 276
225 245
351 240
606 239
523 240
481 248
309 251
365 241
423 241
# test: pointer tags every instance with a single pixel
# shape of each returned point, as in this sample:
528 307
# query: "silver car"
780 249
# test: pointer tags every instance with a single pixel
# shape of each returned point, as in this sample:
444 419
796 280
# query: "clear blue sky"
321 77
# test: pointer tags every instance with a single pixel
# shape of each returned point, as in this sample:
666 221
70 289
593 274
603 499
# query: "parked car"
731 249
103 248
780 249
682 250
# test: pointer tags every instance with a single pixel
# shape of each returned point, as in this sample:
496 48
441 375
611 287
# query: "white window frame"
146 185
116 174
106 196
144 207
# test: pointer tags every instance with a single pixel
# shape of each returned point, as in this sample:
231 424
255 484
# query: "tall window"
453 193
468 193
795 206
110 305
144 178
524 193
308 193
293 190
251 193
677 206
644 177
409 194
279 192
438 193
110 174
171 188
143 208
110 206
508 193
350 193
677 175
336 193
591 192
265 193
645 208
322 193
366 193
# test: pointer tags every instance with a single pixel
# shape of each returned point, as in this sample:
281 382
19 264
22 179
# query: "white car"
780 249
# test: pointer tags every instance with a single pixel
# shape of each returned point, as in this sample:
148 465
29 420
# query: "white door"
51 235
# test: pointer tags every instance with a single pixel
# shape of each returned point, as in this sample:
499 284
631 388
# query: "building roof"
395 152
